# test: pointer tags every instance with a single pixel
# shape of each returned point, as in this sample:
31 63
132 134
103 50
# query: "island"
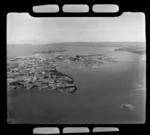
132 49
50 51
127 106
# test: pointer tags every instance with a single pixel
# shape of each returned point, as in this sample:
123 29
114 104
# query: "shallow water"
100 93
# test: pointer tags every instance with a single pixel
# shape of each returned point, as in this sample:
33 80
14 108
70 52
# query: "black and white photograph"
76 70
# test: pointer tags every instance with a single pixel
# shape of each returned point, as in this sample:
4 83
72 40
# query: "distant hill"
92 44
133 49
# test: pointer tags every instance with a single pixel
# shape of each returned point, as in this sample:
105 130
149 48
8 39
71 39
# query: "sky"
25 29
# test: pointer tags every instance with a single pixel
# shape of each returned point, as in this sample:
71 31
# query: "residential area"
35 73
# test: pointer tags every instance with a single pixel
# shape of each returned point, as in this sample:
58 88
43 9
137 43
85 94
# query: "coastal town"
87 61
35 73
41 73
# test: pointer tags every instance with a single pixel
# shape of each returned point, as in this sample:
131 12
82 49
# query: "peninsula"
35 73
41 73
88 61
51 51
132 49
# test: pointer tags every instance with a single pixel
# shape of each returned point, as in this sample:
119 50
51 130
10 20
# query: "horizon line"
73 42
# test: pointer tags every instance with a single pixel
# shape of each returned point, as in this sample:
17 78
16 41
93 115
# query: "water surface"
100 93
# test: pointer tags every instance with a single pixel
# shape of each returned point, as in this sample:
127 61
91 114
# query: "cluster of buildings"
94 60
35 73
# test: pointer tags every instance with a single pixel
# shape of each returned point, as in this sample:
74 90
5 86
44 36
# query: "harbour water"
101 91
